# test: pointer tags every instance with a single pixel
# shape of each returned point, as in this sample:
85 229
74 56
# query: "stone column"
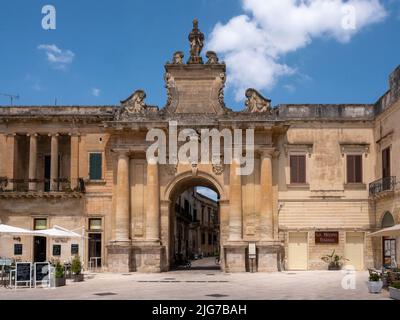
74 175
122 225
54 163
32 161
10 156
266 212
153 202
235 197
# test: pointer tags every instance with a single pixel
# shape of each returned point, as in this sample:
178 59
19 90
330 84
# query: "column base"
269 256
235 256
149 257
119 258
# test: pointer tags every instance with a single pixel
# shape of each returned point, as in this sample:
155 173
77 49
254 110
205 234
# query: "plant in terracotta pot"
394 290
334 261
76 269
375 283
59 274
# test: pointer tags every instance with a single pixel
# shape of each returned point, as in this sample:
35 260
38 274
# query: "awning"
5 229
58 232
387 232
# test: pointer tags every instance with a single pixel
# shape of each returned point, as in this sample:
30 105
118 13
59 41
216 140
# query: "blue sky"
115 47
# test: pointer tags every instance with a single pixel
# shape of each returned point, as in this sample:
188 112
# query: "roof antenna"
11 96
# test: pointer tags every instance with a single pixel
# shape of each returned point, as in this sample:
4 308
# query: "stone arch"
175 187
186 179
387 220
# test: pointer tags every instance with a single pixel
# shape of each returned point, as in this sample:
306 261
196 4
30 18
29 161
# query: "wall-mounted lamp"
17 239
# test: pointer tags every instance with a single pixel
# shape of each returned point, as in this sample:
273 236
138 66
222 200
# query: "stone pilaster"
10 166
74 161
122 214
235 196
266 205
153 202
54 163
32 161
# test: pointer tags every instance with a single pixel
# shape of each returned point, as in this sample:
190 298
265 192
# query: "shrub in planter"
334 261
76 269
375 283
394 290
59 274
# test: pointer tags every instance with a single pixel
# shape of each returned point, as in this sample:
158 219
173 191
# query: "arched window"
387 220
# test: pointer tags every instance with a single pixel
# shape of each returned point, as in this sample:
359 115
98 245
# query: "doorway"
39 249
47 170
298 251
95 250
354 249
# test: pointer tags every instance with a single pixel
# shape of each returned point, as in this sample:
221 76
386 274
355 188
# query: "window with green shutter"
95 166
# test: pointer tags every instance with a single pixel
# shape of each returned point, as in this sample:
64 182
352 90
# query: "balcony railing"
382 185
43 185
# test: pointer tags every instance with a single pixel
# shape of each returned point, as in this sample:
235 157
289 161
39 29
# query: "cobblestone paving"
205 284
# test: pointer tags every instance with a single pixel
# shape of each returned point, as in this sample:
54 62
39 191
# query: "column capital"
54 135
32 135
266 152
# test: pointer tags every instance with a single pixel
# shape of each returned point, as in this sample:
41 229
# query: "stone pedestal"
149 257
269 256
235 257
120 258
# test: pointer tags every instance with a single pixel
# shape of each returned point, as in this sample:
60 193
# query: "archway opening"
195 226
388 243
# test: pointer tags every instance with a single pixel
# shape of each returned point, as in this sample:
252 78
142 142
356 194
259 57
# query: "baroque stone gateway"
318 170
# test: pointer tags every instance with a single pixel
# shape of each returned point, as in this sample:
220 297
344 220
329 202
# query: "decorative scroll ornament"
135 103
218 168
256 102
196 39
212 57
169 85
221 97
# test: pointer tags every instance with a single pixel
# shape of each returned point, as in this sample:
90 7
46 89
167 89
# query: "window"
95 166
297 169
40 224
354 169
94 224
203 238
386 163
209 238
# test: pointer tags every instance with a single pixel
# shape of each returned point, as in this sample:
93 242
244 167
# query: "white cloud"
96 92
254 43
57 57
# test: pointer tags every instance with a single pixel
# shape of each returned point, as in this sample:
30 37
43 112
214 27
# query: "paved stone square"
205 284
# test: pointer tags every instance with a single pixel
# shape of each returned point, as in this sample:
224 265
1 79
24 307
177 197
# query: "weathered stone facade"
45 165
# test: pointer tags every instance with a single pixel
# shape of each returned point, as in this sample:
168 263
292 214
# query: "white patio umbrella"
6 229
58 232
387 232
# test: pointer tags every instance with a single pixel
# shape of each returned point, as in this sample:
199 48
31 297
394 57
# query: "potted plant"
333 260
394 290
59 275
76 269
375 283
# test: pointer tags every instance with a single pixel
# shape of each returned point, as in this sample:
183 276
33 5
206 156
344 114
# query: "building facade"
324 176
196 226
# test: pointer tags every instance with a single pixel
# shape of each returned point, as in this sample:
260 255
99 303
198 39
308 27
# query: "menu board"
17 249
74 249
56 250
42 271
23 272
